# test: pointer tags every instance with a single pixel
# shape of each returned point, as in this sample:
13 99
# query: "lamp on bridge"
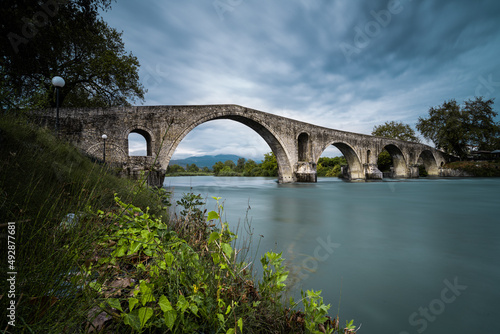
58 82
104 137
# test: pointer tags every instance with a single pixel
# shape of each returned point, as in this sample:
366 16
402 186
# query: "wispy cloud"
285 57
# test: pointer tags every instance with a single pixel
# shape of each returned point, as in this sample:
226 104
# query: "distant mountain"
205 160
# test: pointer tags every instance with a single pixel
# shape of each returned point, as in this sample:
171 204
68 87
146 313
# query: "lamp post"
104 137
58 82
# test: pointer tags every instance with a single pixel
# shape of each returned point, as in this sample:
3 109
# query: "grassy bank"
96 253
476 168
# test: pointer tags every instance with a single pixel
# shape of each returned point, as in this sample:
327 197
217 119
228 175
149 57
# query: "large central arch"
285 172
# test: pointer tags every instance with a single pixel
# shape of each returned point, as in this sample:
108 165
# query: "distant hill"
205 160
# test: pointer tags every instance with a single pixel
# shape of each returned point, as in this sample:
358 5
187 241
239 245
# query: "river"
402 256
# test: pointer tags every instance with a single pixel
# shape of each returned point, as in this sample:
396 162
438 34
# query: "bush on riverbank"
476 168
89 261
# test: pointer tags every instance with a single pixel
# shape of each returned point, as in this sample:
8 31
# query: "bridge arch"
285 170
146 133
426 157
398 160
114 151
356 170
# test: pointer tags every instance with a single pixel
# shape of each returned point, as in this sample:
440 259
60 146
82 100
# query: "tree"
175 169
42 39
192 168
217 167
458 129
396 130
269 165
484 132
230 164
330 166
250 166
384 161
240 165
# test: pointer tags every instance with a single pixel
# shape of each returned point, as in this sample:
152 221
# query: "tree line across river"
243 167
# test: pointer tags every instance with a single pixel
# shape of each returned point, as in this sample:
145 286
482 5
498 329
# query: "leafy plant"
274 276
190 202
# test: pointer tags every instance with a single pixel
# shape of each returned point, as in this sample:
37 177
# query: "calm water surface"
405 256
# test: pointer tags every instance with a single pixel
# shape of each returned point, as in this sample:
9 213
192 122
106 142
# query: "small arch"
143 138
368 156
303 147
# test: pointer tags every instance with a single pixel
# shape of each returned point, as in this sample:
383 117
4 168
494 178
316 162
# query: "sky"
346 65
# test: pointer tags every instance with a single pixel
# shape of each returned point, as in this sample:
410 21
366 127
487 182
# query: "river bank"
98 253
474 168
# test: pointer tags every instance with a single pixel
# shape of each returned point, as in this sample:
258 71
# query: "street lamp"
104 137
58 82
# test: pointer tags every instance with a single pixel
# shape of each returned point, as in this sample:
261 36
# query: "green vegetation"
460 129
476 168
96 253
395 130
191 170
330 166
269 167
73 41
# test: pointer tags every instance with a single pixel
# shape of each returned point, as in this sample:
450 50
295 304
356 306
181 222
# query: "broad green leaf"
115 303
144 314
134 247
240 324
230 331
169 258
212 215
165 304
216 258
146 292
132 302
194 309
146 235
182 304
170 317
221 317
213 236
132 319
226 248
120 251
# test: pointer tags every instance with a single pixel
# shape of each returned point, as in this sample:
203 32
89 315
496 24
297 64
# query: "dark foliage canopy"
459 129
396 130
68 38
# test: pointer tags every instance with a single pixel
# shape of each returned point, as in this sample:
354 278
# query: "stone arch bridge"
296 145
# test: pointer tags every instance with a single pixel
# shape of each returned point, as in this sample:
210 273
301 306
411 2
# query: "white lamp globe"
104 137
58 81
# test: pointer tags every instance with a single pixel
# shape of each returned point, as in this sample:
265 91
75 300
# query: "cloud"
285 57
